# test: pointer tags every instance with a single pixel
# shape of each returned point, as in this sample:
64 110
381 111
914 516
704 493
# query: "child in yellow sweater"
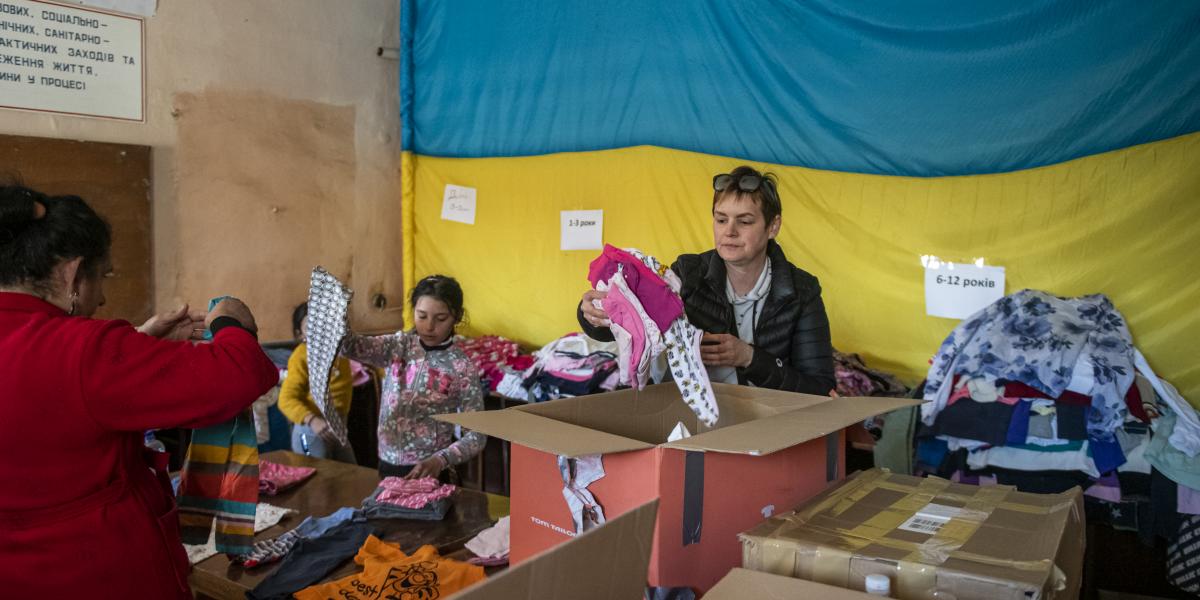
310 432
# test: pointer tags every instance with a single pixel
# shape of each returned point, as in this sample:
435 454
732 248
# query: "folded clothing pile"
573 365
424 499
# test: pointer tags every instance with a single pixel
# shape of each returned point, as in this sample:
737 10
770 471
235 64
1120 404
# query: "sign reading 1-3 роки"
63 59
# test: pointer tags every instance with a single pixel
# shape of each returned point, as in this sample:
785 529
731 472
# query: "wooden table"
333 486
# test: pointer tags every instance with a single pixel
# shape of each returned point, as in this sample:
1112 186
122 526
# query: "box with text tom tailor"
769 450
928 536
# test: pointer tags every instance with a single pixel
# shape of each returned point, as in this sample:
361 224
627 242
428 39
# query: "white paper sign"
958 290
458 204
582 230
61 59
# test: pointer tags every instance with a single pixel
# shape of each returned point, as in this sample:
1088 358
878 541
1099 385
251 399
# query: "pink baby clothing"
274 478
642 294
629 323
412 493
657 298
652 337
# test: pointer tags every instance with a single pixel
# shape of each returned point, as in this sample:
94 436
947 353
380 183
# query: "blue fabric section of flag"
915 87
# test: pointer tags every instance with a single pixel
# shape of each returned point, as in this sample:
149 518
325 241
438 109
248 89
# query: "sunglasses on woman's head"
745 183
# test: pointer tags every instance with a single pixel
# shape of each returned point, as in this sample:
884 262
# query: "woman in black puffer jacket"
763 318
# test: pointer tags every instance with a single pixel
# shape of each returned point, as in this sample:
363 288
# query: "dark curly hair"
37 232
443 288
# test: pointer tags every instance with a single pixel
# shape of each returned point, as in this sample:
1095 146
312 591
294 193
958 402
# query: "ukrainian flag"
1055 138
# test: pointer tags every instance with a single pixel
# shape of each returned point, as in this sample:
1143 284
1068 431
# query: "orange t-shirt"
390 573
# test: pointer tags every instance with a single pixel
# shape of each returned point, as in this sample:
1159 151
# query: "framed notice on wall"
71 60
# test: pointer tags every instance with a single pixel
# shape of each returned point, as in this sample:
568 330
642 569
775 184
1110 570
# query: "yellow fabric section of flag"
1124 223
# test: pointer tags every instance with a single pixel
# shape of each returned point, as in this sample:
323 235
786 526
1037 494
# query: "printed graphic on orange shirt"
417 581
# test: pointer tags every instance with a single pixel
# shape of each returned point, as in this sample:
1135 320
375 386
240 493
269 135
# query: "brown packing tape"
856 488
831 567
951 536
902 509
1032 509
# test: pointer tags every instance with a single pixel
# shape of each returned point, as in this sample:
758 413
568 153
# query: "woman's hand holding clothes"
594 315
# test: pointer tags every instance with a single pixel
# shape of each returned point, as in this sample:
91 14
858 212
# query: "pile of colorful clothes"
317 547
1045 393
494 356
573 365
856 379
647 320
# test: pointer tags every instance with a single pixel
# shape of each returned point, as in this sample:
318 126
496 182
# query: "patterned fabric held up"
1046 342
328 307
683 358
413 493
220 480
274 478
419 383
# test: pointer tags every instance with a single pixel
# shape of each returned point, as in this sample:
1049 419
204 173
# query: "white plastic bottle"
879 585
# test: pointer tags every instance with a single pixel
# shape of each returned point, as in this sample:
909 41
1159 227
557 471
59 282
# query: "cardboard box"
606 563
928 535
770 450
744 584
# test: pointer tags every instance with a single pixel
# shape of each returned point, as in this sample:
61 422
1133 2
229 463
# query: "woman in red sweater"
84 511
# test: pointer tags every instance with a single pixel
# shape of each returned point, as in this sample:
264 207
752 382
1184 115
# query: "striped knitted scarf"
220 480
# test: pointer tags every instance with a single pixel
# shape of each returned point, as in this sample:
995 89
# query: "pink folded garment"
412 493
274 478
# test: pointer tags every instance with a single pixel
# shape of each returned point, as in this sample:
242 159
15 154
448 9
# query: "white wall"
303 72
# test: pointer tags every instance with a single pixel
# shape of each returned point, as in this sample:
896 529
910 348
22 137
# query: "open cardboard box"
606 563
770 451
